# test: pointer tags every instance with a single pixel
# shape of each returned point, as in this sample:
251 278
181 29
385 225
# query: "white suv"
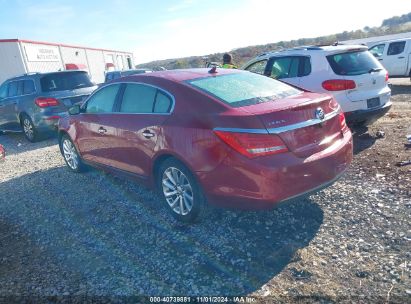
349 72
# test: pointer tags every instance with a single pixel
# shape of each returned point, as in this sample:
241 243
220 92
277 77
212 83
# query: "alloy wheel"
178 191
70 154
28 128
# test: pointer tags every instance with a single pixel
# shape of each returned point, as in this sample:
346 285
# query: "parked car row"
33 103
211 136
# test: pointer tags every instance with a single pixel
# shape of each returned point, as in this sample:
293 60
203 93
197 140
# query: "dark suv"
33 103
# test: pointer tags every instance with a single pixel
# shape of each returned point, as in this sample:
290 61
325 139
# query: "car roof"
329 49
373 43
182 75
35 74
129 70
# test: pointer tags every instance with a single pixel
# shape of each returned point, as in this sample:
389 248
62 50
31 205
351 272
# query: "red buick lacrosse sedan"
224 137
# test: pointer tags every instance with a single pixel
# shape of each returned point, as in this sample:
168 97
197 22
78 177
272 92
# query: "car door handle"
101 130
148 134
380 59
401 57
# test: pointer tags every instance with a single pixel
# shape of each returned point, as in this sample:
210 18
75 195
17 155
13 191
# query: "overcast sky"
176 28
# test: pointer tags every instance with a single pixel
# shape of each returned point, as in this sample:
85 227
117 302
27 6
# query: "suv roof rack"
314 47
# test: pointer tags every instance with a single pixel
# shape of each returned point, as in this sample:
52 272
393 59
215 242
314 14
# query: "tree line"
394 25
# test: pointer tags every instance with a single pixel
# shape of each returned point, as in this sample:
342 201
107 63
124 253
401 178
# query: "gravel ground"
70 236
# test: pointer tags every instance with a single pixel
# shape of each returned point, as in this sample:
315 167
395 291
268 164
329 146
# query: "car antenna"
213 70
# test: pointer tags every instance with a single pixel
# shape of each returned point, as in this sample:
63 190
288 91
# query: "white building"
18 57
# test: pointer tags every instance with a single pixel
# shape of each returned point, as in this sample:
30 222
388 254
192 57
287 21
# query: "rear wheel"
30 131
70 154
180 191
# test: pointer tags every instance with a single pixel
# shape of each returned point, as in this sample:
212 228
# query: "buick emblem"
319 114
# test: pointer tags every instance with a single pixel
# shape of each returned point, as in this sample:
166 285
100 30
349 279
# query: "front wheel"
70 154
180 191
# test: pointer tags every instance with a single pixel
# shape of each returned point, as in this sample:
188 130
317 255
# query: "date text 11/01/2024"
204 299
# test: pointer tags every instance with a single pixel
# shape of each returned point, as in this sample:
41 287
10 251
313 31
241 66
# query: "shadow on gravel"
116 239
16 143
362 140
397 89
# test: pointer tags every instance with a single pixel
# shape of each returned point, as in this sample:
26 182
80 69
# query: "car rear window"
353 63
65 81
243 89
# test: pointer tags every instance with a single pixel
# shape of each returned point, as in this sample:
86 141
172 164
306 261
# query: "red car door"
133 131
94 128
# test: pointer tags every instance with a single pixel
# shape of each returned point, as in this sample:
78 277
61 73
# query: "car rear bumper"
265 183
47 122
367 116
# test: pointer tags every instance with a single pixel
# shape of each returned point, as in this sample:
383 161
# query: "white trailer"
18 57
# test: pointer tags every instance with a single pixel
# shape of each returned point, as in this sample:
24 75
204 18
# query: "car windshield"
353 63
243 89
65 81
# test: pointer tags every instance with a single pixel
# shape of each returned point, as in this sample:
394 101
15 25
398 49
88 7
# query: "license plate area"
373 102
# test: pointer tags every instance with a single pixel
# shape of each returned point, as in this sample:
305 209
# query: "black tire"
75 163
199 205
29 130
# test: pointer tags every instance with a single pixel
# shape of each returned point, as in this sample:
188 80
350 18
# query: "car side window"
138 98
13 88
305 66
378 50
3 90
28 87
396 48
103 100
257 67
20 87
163 103
285 67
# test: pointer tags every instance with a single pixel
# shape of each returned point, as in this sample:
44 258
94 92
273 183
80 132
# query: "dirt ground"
379 156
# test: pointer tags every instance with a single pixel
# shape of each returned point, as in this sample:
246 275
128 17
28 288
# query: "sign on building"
36 52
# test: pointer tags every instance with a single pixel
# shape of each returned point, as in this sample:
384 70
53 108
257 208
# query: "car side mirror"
74 110
376 55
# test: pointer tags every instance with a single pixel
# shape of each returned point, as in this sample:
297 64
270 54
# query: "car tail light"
386 77
343 123
253 145
338 85
44 102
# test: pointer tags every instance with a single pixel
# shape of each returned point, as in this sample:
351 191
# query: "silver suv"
33 103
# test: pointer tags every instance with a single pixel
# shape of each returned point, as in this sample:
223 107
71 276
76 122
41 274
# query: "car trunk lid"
307 123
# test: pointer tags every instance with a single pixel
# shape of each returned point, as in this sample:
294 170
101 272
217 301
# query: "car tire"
180 191
71 155
29 130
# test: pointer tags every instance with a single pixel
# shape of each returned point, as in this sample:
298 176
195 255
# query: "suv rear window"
243 89
65 81
353 63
